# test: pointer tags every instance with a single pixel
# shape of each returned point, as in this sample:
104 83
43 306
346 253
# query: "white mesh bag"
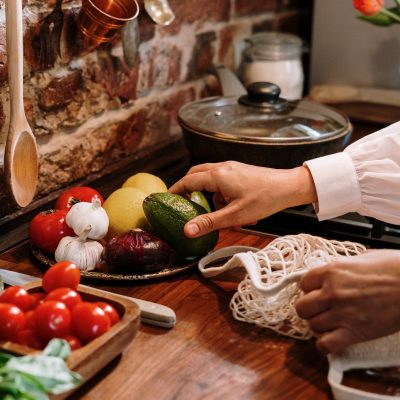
267 294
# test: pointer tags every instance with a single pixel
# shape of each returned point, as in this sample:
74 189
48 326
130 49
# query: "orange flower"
368 7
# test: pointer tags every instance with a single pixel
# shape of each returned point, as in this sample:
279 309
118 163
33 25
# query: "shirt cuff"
336 183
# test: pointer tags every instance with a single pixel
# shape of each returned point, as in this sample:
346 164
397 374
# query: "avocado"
168 213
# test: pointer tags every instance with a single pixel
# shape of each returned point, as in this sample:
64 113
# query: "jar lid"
262 116
273 46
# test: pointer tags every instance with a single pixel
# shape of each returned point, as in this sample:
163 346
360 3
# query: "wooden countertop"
208 354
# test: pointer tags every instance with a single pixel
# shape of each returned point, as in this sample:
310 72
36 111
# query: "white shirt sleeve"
364 178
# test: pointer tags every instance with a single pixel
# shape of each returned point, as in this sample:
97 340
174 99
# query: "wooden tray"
95 355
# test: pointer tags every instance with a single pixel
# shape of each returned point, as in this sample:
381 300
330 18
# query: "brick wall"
96 108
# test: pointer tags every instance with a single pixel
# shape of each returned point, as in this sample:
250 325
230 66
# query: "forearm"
293 187
305 192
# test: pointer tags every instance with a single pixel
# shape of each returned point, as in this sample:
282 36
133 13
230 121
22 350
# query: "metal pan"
259 127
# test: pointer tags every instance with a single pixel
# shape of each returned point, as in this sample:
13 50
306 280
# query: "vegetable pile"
88 231
32 319
34 377
73 231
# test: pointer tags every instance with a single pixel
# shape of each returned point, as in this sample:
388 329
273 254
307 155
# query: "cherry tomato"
30 319
37 298
110 311
52 319
73 342
47 229
27 337
12 320
66 295
62 274
18 296
89 321
76 194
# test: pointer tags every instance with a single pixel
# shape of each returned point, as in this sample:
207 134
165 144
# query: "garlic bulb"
85 254
85 214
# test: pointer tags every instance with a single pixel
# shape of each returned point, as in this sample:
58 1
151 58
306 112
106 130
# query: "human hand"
352 299
244 193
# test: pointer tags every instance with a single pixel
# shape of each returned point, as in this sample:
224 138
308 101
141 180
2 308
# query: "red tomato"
12 320
18 296
62 274
89 321
30 319
52 319
37 298
47 229
75 195
73 342
66 295
27 337
110 311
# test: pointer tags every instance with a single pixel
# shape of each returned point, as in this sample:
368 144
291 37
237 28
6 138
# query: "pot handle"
230 84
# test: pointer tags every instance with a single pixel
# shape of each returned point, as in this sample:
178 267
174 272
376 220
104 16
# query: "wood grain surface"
208 354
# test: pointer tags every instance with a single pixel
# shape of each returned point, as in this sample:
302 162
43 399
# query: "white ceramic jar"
275 57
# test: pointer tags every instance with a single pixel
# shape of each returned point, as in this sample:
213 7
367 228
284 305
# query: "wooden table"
208 354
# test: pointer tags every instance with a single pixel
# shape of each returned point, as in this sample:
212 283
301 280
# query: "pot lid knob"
264 95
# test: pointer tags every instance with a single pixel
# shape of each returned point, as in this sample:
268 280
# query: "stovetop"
369 231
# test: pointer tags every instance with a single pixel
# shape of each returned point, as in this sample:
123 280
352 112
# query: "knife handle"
155 314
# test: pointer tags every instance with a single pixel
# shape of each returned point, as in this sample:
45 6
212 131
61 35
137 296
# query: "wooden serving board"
95 355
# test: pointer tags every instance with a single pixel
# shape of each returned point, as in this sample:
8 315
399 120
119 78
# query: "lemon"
125 211
147 183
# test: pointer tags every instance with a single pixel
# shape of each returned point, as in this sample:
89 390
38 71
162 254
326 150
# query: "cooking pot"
259 127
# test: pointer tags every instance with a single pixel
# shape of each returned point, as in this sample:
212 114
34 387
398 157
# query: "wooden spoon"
21 156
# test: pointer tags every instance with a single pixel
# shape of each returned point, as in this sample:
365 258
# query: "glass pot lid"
262 116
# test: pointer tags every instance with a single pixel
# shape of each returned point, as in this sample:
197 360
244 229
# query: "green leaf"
4 357
377 19
32 377
382 18
51 372
395 10
14 386
32 387
9 397
57 348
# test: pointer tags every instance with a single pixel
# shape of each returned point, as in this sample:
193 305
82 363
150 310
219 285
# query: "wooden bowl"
95 355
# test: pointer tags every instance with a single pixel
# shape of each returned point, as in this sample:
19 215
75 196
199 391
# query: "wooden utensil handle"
15 56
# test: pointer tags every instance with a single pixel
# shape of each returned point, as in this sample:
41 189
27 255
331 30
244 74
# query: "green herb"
34 377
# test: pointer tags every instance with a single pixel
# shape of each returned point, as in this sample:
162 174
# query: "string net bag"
267 294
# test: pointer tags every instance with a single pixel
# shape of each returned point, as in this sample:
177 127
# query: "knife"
150 313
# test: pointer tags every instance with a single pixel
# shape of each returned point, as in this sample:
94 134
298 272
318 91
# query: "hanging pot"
259 127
